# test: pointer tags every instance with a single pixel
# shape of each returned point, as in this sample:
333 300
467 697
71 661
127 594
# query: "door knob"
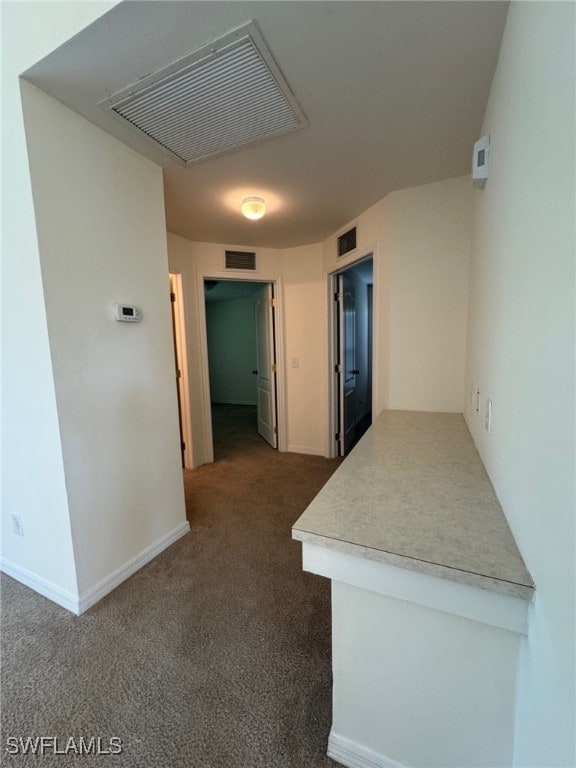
255 373
355 371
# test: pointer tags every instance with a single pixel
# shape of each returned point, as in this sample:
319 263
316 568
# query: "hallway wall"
101 234
44 556
521 350
305 327
430 249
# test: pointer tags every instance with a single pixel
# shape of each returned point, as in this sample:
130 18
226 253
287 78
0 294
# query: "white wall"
101 231
231 350
421 687
300 279
33 472
421 243
521 350
305 328
430 247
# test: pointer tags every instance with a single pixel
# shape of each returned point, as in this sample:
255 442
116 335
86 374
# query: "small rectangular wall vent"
347 242
223 96
240 260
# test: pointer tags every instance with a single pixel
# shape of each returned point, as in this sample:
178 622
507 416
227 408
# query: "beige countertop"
414 493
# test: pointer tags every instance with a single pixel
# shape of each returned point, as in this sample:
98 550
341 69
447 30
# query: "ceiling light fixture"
253 208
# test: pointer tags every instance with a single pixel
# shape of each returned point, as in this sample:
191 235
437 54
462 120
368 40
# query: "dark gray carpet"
215 655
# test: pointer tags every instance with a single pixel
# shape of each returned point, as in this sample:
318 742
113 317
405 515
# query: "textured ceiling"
394 93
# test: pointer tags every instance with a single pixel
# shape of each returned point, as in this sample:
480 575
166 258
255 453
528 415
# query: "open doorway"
351 354
241 346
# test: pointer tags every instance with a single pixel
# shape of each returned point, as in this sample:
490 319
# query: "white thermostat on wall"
128 313
480 162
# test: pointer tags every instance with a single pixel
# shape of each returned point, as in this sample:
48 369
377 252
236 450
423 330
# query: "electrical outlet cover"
17 524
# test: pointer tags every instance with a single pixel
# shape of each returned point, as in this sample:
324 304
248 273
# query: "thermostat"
128 313
480 162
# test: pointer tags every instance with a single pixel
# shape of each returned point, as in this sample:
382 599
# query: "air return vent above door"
240 260
347 242
225 95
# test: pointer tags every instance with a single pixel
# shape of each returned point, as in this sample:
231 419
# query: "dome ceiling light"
253 208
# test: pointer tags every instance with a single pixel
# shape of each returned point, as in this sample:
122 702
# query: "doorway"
241 351
351 354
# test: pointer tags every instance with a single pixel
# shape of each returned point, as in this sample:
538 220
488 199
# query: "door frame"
266 368
280 346
333 390
183 382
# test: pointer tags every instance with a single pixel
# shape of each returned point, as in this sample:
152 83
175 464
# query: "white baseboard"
354 755
79 605
305 449
44 587
100 590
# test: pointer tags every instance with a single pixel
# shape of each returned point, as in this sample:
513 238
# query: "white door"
347 363
266 365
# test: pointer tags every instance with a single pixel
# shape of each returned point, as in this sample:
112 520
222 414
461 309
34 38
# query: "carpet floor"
214 655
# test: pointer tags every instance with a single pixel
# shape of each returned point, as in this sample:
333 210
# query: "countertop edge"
523 591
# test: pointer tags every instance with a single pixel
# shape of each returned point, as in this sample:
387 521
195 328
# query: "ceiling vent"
347 242
240 260
223 96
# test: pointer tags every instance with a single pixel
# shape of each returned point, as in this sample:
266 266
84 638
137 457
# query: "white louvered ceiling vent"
223 96
240 260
